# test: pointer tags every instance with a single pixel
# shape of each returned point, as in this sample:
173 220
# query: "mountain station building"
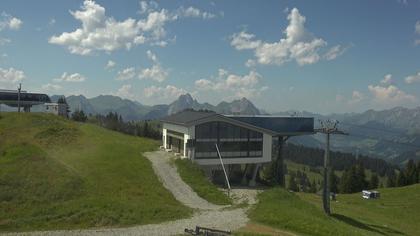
241 139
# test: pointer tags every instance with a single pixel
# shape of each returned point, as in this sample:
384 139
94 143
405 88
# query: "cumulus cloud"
334 52
11 75
250 63
356 97
110 64
156 71
387 79
126 74
413 78
75 77
9 22
390 94
102 33
298 44
125 92
169 91
239 86
194 12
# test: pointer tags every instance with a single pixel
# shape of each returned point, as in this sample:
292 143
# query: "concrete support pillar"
252 182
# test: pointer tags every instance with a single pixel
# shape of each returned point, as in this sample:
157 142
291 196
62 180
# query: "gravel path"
207 214
171 180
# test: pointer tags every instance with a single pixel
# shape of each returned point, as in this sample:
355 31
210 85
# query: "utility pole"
328 127
19 89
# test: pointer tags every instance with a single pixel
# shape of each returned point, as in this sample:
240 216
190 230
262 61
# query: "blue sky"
320 56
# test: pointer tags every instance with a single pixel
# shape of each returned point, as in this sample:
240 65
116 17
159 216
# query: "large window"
233 141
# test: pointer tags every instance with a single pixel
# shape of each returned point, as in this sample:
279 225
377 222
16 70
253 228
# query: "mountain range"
392 134
132 110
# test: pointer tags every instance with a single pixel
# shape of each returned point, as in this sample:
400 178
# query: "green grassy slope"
57 174
195 178
396 213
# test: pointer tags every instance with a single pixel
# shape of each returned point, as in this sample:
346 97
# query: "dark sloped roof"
280 125
274 125
188 116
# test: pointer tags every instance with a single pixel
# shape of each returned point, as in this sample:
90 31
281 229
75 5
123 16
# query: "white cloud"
334 52
52 22
387 79
15 23
151 56
239 86
169 91
126 74
156 72
356 97
11 75
390 95
413 78
9 22
148 6
194 12
51 87
102 33
244 40
75 77
4 41
298 44
250 63
110 64
125 92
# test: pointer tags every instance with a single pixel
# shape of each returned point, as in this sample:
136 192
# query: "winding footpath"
206 214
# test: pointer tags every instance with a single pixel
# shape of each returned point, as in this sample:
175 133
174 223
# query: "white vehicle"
370 194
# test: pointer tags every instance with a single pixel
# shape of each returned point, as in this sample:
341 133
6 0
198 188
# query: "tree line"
314 157
354 179
114 121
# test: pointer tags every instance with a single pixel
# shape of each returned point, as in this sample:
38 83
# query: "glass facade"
233 141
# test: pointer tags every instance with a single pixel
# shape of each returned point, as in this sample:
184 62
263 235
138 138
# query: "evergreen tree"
391 180
333 182
312 187
79 116
374 181
146 129
401 179
418 172
411 173
361 178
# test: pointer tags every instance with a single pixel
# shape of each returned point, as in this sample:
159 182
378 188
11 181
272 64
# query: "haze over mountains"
392 134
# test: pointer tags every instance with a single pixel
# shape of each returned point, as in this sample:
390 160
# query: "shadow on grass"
369 227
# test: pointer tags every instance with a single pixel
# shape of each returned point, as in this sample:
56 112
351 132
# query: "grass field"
396 213
195 178
58 174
